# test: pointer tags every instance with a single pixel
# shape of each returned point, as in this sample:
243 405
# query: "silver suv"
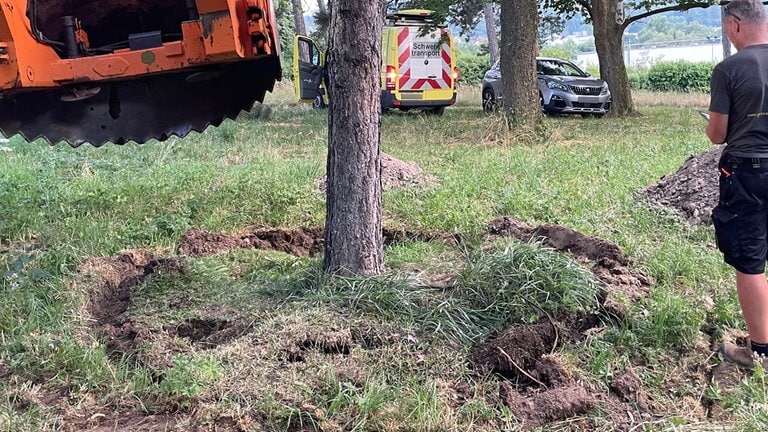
563 88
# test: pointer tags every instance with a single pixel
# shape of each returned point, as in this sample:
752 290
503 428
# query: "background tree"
321 6
519 39
299 26
490 29
284 15
353 237
726 42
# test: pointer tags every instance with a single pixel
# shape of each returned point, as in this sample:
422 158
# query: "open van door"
308 71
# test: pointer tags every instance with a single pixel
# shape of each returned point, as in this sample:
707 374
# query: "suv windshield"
558 68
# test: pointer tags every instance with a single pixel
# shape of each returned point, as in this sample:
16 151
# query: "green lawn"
102 323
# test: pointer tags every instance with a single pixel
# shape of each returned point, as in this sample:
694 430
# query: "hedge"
672 76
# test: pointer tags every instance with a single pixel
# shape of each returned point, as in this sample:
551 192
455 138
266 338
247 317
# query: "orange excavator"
97 71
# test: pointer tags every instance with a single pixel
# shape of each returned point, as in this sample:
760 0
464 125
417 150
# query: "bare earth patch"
301 242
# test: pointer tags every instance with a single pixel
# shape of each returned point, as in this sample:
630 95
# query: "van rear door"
424 59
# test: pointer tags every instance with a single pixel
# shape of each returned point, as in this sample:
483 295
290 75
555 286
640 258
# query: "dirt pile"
397 174
692 190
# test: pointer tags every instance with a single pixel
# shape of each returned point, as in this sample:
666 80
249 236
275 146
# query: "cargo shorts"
741 215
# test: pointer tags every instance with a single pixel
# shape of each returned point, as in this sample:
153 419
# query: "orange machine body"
102 71
221 34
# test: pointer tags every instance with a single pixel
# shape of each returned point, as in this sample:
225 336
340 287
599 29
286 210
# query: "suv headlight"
558 86
605 89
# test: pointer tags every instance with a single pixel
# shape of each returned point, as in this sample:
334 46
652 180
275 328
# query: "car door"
308 69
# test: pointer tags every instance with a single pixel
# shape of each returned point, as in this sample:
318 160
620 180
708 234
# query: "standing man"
739 116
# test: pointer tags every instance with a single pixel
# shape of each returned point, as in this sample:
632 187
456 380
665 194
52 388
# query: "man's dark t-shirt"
739 88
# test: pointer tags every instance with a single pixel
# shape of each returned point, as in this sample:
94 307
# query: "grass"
381 353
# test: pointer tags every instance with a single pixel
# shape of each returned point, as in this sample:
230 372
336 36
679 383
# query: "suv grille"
587 105
586 90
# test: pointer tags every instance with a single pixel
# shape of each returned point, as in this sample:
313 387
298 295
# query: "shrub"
472 66
638 78
679 76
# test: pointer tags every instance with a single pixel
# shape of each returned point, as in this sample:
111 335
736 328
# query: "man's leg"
753 297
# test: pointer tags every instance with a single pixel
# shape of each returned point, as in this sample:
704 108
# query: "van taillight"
391 77
455 74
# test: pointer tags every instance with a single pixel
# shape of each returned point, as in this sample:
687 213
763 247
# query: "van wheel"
489 101
319 103
438 111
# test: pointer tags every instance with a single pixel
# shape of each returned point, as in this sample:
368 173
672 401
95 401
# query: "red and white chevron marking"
409 78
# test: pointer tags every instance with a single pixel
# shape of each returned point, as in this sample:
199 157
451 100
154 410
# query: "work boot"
742 357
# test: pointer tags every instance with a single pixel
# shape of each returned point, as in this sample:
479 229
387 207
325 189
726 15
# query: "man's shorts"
741 216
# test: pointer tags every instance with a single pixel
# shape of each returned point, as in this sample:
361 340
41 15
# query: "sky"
309 6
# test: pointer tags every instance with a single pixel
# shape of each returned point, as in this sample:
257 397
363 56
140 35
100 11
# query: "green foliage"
472 64
638 77
677 76
558 51
661 29
593 70
636 9
285 29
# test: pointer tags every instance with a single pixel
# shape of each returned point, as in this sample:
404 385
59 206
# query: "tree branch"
679 7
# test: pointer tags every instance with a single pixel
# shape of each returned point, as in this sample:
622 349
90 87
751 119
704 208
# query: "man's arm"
717 128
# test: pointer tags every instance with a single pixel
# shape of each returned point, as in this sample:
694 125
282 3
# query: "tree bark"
353 237
726 42
490 29
321 6
609 38
298 18
519 29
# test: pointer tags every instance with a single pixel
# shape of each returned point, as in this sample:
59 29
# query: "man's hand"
717 128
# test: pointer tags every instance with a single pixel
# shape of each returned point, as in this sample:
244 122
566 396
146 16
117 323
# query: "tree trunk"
298 18
353 237
609 37
490 29
726 41
321 6
519 29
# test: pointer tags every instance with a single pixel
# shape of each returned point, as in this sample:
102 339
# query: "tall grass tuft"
512 282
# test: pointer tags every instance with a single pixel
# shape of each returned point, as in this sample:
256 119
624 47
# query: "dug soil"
692 190
536 381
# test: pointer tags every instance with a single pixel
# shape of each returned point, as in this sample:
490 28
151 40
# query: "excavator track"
138 109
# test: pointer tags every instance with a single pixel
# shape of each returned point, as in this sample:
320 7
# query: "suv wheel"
489 100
